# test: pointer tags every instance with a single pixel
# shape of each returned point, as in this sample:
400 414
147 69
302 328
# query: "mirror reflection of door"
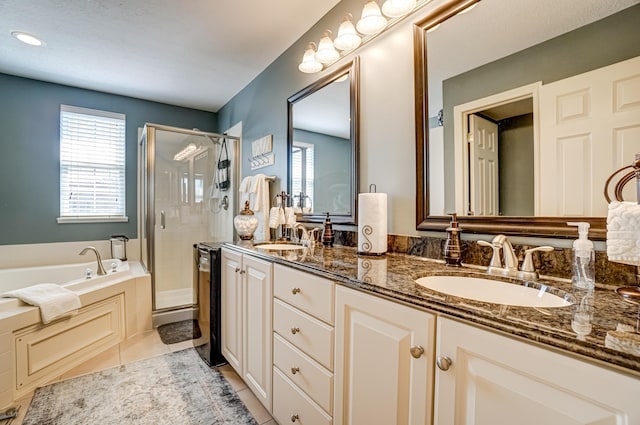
484 163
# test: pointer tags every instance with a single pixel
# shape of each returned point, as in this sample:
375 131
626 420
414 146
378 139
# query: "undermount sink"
278 246
493 291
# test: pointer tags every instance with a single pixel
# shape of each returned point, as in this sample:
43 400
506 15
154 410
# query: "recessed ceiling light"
26 38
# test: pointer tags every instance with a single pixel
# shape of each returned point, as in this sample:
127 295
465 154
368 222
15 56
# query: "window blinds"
92 163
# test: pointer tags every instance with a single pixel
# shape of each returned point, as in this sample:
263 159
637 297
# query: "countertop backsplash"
554 264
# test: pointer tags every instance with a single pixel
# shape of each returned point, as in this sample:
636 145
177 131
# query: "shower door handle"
163 219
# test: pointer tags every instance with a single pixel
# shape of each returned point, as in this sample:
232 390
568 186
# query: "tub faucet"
100 271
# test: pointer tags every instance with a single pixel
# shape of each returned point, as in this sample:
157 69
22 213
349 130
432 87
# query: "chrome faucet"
100 271
508 264
308 235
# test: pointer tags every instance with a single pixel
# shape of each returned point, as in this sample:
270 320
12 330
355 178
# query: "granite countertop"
393 276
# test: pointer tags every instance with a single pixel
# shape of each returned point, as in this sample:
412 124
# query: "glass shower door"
180 209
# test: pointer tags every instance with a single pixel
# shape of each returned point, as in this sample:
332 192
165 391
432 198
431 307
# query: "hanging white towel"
623 233
54 300
245 190
276 217
289 216
259 191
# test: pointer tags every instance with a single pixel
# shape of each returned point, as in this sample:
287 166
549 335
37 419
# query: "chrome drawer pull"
294 417
417 351
295 291
295 330
295 370
444 363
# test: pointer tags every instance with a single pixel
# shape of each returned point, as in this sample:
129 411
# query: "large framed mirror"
323 147
559 85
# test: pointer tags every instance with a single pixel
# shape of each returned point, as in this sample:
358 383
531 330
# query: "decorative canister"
245 223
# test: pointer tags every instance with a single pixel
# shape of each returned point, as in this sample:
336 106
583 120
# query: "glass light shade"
309 64
395 8
347 38
372 20
326 53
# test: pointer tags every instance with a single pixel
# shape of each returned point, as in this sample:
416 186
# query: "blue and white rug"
175 388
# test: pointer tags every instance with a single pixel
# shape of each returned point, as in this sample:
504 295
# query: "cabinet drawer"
309 293
307 333
292 405
313 379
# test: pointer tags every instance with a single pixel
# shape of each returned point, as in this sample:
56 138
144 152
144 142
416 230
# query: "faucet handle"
496 262
528 271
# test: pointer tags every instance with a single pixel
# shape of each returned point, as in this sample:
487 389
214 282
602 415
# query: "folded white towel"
623 233
276 217
289 216
54 300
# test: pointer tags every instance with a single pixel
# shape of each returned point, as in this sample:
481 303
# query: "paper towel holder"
364 231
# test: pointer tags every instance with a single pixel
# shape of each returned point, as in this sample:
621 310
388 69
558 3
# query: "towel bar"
626 178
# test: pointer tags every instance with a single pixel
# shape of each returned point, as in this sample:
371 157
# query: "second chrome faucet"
504 261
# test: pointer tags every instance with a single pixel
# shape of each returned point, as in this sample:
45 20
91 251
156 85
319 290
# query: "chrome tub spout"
100 271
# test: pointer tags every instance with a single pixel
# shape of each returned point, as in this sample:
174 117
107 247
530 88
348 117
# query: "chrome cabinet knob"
444 363
294 417
295 370
417 351
295 330
295 291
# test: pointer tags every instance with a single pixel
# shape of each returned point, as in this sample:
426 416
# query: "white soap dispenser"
583 258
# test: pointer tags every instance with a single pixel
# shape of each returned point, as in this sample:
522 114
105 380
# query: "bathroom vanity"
356 340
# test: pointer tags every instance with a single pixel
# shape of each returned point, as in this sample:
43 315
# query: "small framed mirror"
323 147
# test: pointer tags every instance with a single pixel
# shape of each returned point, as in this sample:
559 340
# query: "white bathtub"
114 307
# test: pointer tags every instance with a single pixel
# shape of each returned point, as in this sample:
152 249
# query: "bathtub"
115 307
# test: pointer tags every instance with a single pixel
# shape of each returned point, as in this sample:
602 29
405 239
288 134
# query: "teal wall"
29 156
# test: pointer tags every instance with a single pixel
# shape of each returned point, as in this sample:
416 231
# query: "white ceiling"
194 53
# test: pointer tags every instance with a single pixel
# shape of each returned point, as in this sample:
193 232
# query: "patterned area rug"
184 330
175 388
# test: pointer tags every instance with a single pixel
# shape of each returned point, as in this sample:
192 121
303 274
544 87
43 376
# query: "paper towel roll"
372 223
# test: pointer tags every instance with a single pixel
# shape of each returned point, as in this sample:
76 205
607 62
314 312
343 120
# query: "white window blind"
92 165
302 170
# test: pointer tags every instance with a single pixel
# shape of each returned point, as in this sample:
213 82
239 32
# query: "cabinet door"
495 380
231 309
258 328
378 380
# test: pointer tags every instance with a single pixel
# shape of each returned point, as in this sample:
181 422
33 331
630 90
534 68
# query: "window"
302 170
92 165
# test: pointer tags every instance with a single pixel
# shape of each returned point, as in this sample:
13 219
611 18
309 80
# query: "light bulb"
347 38
395 8
326 53
309 64
372 20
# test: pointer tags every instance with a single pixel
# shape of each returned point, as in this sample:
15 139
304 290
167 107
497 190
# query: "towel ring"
626 178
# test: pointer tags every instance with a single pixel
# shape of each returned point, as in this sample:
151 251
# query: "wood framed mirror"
323 141
463 66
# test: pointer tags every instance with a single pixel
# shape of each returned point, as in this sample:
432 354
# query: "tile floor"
148 345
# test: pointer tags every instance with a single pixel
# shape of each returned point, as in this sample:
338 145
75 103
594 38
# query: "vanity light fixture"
27 38
371 21
309 64
348 38
326 53
368 27
395 8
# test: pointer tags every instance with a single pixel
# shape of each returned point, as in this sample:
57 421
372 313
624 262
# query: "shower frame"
146 195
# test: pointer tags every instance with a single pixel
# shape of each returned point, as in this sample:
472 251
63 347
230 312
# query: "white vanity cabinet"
303 348
384 361
247 294
484 378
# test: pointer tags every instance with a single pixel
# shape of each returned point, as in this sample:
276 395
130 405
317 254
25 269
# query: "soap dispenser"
327 234
452 246
583 258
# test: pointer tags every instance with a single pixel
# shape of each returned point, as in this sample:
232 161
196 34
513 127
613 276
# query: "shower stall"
187 186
